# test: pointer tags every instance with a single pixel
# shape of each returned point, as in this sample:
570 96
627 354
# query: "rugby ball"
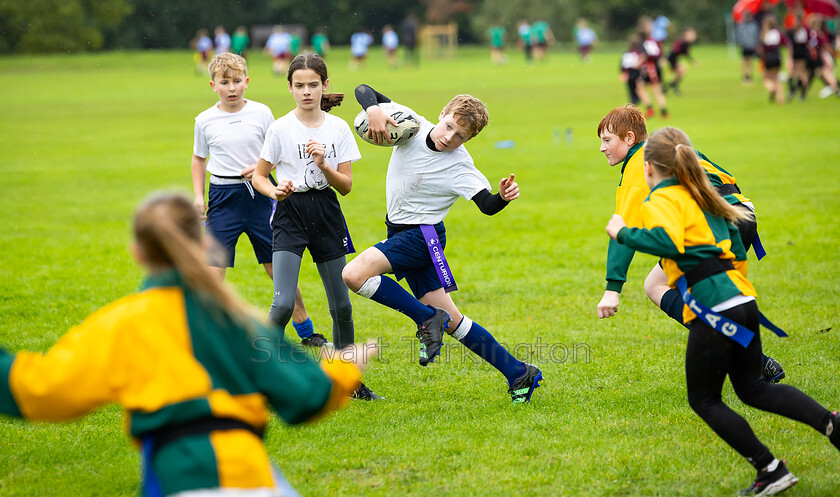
408 124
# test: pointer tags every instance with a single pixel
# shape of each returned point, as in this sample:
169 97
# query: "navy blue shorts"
406 250
231 211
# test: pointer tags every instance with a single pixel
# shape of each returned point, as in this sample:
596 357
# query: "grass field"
86 137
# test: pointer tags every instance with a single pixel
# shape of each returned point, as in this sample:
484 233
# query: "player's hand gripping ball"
407 125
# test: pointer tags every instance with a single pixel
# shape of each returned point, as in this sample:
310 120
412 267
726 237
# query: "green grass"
86 137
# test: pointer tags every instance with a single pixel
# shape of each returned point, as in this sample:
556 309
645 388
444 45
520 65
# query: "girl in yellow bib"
194 371
690 226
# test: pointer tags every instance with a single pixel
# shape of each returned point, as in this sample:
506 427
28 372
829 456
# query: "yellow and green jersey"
683 235
631 193
170 356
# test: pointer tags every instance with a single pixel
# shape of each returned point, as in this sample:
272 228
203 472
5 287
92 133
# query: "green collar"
167 277
665 183
630 153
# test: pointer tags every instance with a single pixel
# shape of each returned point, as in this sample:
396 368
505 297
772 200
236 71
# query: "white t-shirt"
422 184
390 40
233 140
285 147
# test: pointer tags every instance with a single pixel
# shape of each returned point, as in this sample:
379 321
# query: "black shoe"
771 482
430 334
365 393
316 340
524 386
835 430
772 370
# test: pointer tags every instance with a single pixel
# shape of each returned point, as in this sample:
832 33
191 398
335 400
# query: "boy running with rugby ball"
426 175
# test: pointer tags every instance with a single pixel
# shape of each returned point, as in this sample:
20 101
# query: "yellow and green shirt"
170 356
683 235
629 196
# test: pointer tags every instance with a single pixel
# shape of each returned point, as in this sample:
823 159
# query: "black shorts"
815 63
651 72
772 61
310 220
800 52
673 59
748 52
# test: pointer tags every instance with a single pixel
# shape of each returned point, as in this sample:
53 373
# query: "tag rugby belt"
731 329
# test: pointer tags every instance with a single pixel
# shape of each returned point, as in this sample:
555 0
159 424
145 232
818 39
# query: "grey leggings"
286 272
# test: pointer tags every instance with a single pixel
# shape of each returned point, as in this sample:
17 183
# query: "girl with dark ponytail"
690 227
312 152
194 371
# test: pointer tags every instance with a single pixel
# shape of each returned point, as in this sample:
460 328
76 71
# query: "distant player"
426 175
321 42
360 41
231 133
497 35
541 37
746 35
771 40
390 42
821 60
193 370
585 38
631 73
240 41
203 50
799 35
222 40
688 225
623 132
279 45
680 49
526 40
651 70
659 28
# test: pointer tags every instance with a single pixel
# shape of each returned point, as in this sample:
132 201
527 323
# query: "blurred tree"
442 11
75 25
40 26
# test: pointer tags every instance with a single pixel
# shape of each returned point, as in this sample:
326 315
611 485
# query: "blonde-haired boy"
227 142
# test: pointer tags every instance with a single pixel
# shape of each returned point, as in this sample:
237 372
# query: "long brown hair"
669 151
167 230
310 60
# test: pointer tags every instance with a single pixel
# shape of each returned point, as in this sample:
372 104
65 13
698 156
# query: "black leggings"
710 356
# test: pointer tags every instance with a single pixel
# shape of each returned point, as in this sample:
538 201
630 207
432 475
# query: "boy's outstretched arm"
490 204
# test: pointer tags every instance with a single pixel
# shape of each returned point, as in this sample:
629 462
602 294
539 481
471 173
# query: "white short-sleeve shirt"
422 184
233 140
285 147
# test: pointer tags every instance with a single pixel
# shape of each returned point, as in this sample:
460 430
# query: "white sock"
463 328
772 466
370 286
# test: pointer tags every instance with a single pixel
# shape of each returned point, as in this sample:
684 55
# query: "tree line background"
44 26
